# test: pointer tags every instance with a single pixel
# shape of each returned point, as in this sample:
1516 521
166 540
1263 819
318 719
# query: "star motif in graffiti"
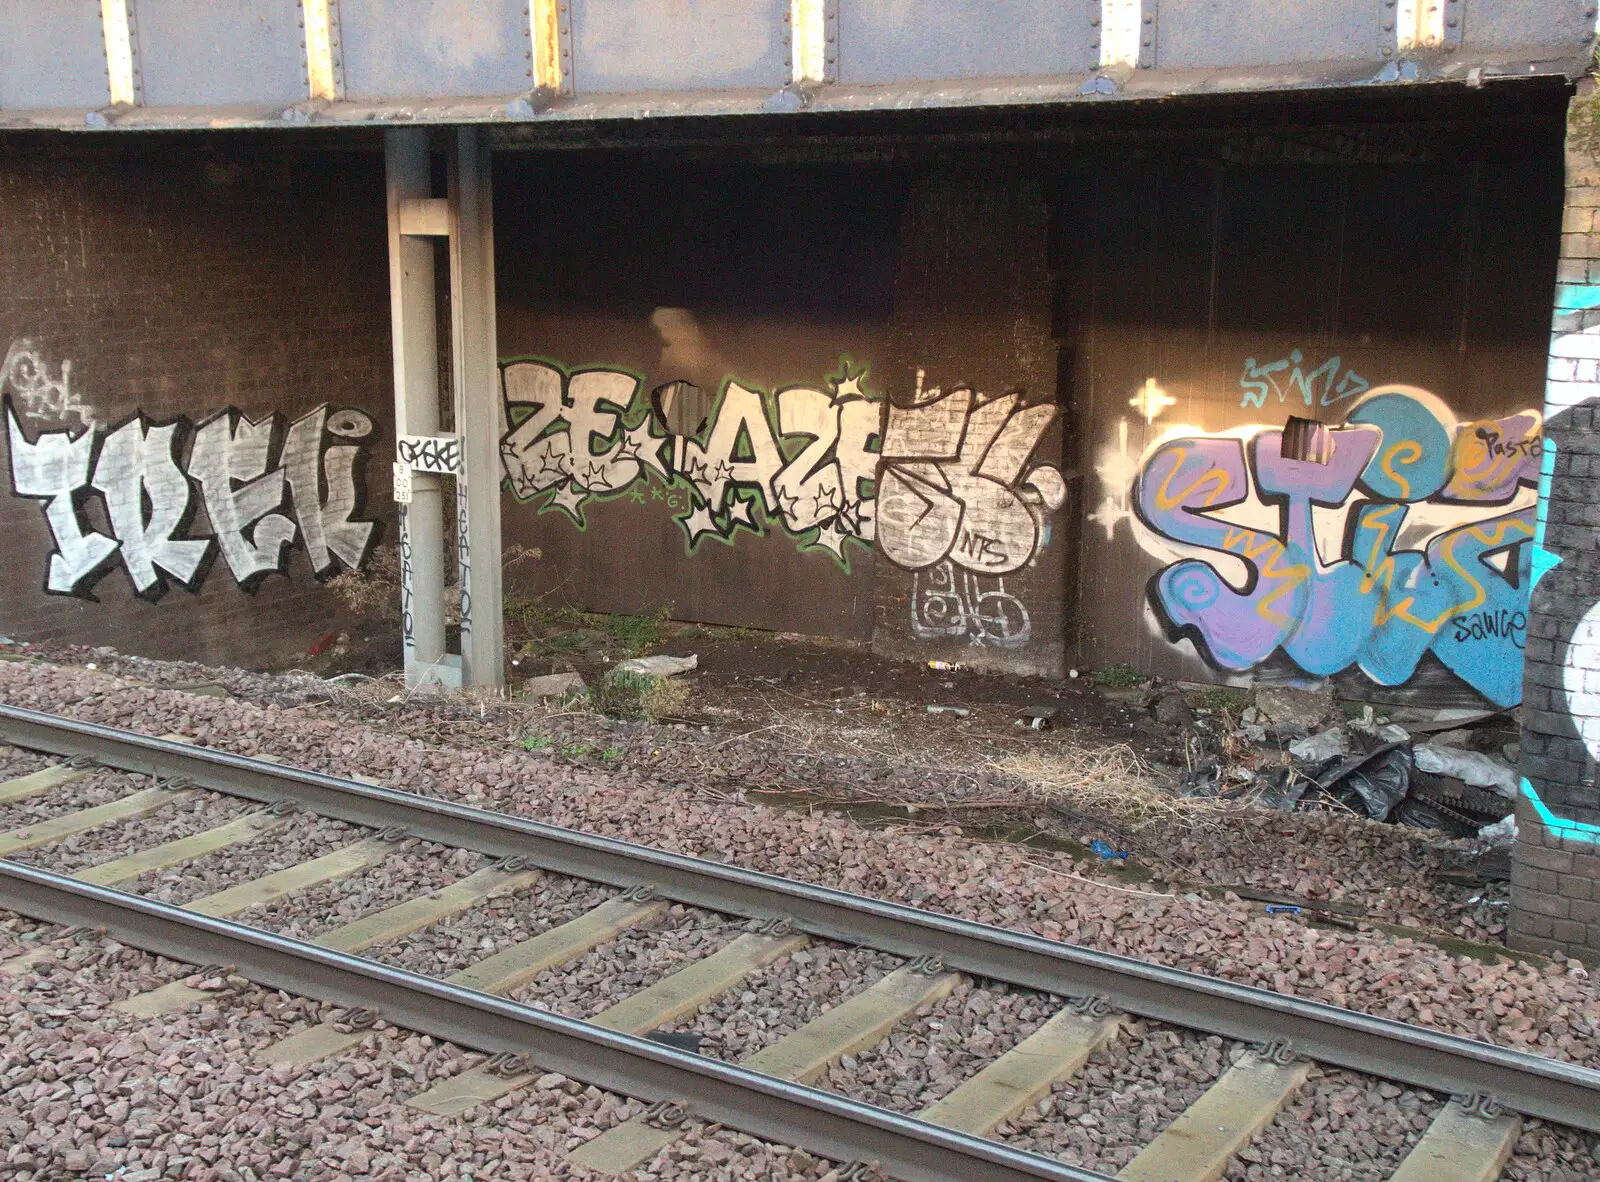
569 499
596 475
642 445
699 522
551 468
832 539
1151 400
724 471
1107 516
696 471
739 513
787 503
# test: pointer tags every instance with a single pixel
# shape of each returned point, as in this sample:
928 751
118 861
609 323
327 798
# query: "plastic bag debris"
659 666
1106 853
1321 747
1470 767
1282 788
1500 835
1375 782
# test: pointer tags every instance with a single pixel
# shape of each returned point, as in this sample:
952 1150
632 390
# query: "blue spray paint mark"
1572 830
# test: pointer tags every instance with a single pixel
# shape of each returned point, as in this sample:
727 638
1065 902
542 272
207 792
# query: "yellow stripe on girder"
500 973
1461 1147
1196 1147
1017 1078
802 1056
57 828
667 999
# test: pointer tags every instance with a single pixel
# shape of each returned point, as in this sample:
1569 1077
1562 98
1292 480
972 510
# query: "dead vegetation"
1109 782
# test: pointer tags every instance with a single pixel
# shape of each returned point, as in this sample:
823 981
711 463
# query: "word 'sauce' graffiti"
1378 606
251 475
801 458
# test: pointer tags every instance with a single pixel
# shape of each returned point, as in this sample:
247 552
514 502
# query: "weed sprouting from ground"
1120 676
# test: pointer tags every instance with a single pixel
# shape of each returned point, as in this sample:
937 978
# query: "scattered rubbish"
1283 788
1282 909
958 711
1392 733
1428 722
1321 747
1470 767
1073 673
682 1040
1249 715
206 689
553 685
1204 780
659 666
1106 853
338 677
323 643
1458 738
6 640
944 666
1501 834
1037 718
1375 782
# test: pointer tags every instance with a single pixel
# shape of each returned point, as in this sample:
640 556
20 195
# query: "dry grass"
1110 781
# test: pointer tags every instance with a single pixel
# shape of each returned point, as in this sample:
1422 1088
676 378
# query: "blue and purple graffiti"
1434 554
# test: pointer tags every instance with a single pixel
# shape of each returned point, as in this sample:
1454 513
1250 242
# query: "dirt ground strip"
203 1089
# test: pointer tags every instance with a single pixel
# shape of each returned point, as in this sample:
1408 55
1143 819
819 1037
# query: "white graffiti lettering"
137 473
956 481
43 398
948 603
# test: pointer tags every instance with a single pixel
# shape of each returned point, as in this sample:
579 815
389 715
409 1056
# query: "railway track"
768 1094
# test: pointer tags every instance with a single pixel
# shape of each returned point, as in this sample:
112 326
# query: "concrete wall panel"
52 54
221 51
413 48
1228 33
623 45
897 40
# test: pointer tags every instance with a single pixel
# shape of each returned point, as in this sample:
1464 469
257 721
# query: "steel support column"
416 412
477 401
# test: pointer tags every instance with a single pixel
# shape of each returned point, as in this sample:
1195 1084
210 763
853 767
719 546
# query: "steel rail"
762 1105
1550 1089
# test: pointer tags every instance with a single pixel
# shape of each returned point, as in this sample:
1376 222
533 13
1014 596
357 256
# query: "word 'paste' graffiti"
1399 463
262 484
802 458
1324 385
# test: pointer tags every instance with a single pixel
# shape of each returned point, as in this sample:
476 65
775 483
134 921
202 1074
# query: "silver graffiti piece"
948 604
25 374
256 508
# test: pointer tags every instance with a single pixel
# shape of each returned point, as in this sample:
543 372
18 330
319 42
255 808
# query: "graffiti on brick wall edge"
1573 394
958 498
1408 533
264 484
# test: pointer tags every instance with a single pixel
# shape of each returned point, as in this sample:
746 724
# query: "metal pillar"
416 411
477 398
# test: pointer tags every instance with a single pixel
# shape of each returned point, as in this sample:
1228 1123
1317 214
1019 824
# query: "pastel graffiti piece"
148 492
1356 598
801 458
149 501
951 603
55 469
428 453
955 482
25 374
229 459
1322 386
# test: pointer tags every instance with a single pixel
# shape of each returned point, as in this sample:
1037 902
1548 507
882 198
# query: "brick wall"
147 284
1556 862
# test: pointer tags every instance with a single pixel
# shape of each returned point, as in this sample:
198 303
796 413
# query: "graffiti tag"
1322 386
948 603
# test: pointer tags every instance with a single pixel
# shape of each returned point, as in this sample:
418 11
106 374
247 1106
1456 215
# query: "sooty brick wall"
197 389
1556 862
